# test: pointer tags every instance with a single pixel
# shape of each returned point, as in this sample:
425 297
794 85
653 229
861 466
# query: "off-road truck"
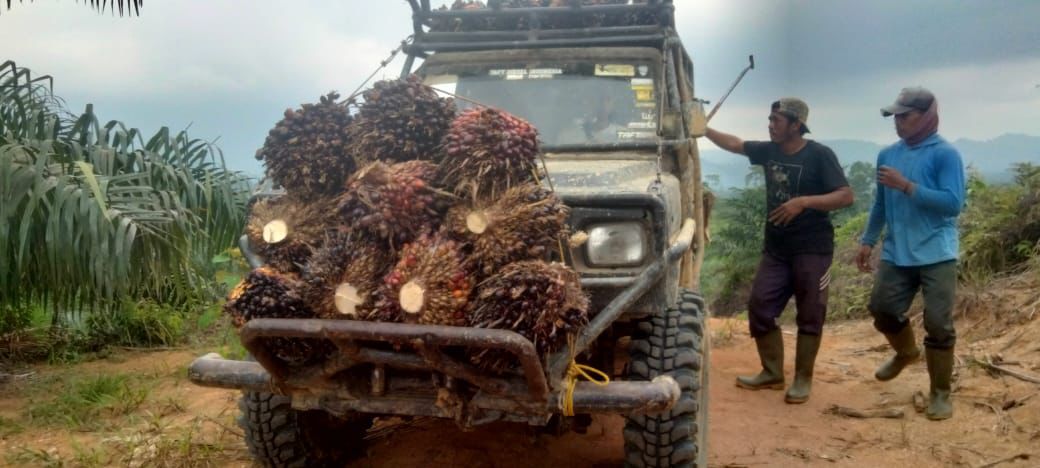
610 88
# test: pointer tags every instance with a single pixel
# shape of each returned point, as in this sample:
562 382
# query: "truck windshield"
570 104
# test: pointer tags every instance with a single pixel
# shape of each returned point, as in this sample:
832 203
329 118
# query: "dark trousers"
805 276
894 291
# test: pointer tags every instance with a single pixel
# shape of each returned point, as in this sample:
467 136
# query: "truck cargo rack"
502 27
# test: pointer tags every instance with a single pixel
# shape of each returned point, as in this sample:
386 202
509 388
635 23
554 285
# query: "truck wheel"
671 343
280 436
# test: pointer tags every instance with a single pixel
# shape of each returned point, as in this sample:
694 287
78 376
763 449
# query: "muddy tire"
671 343
280 436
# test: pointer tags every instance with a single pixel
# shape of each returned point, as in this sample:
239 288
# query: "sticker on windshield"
543 73
644 89
525 74
643 70
615 70
635 135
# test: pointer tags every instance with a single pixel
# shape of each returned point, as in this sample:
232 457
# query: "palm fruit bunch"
487 151
525 223
343 276
266 293
459 24
393 202
307 152
284 231
400 120
429 285
541 301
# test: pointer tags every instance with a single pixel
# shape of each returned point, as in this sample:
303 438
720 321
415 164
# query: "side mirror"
696 119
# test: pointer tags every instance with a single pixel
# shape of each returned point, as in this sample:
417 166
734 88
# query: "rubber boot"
771 353
907 353
804 361
940 371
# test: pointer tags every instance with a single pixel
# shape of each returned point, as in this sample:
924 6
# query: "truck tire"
670 343
280 436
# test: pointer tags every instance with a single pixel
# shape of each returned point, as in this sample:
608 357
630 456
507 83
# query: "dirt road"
995 418
758 429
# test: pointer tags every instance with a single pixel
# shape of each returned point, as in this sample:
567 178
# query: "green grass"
83 404
25 456
9 427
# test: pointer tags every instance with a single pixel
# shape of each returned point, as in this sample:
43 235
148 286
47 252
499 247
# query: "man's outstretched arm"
728 142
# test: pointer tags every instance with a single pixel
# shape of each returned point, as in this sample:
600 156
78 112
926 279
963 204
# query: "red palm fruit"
307 152
541 301
430 285
343 276
394 202
400 120
525 223
486 151
285 231
266 293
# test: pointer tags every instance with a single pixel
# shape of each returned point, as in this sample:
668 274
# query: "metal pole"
751 58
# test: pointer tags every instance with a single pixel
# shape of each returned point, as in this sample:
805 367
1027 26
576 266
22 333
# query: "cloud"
229 67
975 100
209 49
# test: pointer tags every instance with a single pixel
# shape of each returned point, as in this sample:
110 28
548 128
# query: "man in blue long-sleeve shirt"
920 194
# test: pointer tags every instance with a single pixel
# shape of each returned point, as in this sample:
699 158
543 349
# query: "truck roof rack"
500 25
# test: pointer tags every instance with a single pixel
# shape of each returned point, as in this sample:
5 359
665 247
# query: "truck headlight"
616 244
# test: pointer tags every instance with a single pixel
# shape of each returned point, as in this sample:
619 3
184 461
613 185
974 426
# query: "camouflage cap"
913 98
793 108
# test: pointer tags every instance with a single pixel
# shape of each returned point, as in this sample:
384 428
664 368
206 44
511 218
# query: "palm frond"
128 7
91 215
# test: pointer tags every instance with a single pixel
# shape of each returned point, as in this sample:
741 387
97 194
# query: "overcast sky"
229 68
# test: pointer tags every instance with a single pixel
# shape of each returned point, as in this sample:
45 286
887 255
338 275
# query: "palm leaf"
130 7
92 216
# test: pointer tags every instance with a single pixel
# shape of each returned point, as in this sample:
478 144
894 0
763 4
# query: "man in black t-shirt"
803 183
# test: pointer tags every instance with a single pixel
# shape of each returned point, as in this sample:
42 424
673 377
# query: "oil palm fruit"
285 231
525 223
430 284
266 293
486 151
541 301
393 202
307 151
342 277
400 120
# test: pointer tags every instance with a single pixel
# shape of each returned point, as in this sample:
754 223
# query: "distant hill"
992 158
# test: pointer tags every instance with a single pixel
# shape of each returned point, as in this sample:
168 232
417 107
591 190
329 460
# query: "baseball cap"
793 108
913 98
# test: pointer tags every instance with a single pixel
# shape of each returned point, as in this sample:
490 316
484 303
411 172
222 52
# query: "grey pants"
894 291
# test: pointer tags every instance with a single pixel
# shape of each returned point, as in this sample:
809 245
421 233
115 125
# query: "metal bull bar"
425 352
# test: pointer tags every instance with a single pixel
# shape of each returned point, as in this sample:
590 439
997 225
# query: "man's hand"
787 212
863 259
890 177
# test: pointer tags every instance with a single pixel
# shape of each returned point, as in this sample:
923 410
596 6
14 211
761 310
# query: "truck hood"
587 175
608 174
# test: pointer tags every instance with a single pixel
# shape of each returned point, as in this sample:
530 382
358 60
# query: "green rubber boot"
804 360
907 353
940 371
771 353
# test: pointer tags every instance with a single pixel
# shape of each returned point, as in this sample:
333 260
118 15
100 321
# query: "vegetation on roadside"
1000 231
106 237
97 419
